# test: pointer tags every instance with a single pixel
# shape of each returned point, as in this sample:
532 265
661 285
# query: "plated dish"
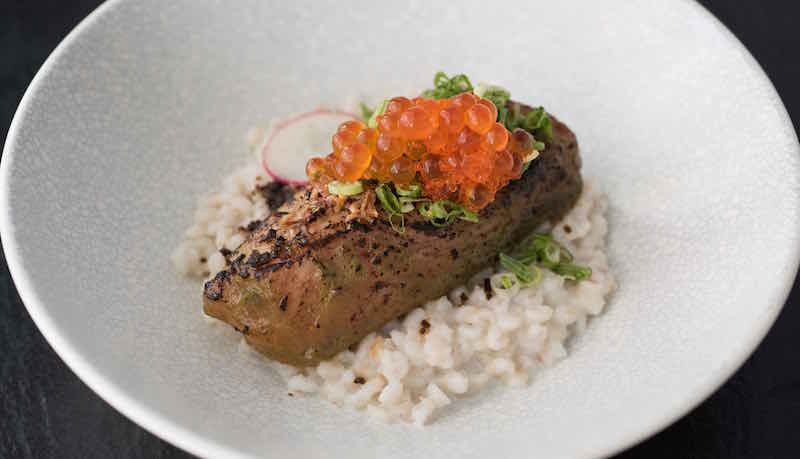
141 110
414 262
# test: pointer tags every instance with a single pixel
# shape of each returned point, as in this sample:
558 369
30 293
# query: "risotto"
446 349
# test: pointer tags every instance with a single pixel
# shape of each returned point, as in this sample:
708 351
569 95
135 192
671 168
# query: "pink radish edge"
283 124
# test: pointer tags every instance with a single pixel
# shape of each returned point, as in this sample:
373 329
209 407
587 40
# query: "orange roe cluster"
453 147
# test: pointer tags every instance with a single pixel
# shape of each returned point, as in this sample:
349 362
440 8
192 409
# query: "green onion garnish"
535 121
413 190
440 213
507 282
572 272
526 274
548 250
480 89
566 255
445 87
388 200
399 227
543 250
373 119
392 206
499 97
444 213
345 188
409 200
469 216
547 129
366 112
407 203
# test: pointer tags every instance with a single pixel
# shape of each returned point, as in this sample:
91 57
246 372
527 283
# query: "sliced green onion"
373 119
545 240
480 89
444 86
430 210
572 272
393 207
438 210
542 249
516 111
534 119
440 79
499 97
507 282
551 252
435 214
566 255
461 83
345 188
425 210
366 112
388 200
504 282
413 190
527 274
502 115
527 258
468 216
401 227
407 203
407 199
547 129
513 117
444 213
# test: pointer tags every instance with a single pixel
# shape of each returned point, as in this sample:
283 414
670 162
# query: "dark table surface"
46 411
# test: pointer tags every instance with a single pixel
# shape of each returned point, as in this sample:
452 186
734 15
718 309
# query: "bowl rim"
172 431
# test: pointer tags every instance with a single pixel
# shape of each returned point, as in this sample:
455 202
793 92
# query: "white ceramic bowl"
113 140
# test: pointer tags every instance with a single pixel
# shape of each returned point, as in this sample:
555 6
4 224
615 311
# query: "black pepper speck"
424 326
487 288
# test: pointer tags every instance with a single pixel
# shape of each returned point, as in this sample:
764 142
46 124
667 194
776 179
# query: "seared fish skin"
315 279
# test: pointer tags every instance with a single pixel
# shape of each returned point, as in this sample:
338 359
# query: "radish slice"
296 140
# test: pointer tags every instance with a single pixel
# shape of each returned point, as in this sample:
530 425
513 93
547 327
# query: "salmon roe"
454 148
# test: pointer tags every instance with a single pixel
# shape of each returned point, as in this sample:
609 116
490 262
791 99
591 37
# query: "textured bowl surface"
145 105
